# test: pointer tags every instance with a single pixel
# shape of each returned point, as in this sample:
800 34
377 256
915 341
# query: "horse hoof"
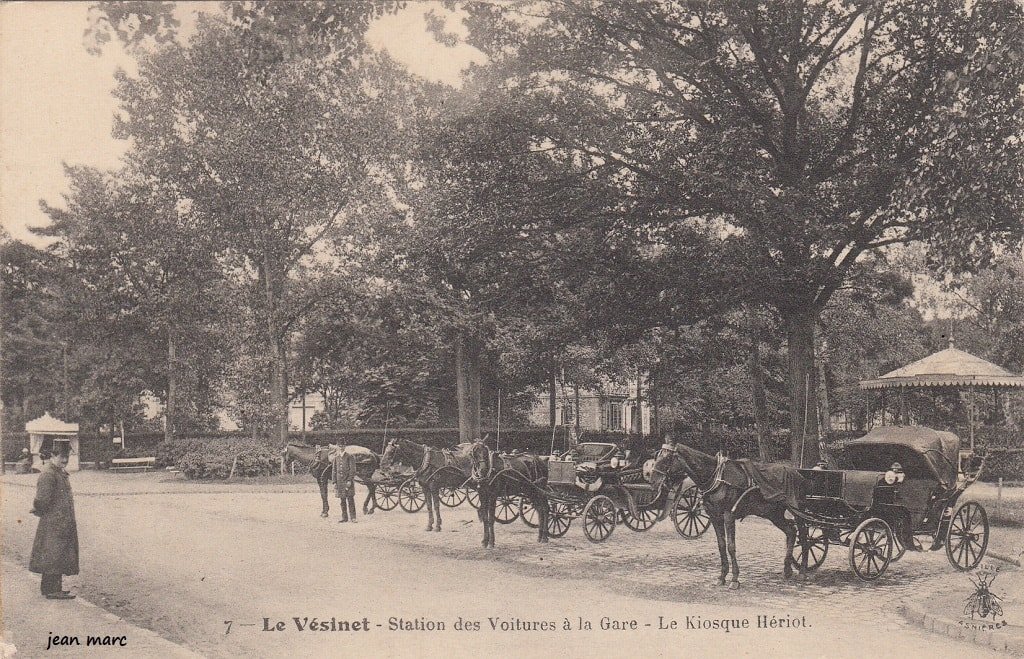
324 515
721 582
734 585
430 528
438 529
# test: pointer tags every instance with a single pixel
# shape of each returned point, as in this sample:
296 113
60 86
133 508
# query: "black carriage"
596 482
901 485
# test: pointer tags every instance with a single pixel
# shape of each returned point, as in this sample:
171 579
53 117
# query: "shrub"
1005 463
212 458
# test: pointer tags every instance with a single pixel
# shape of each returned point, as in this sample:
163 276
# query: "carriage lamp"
616 462
890 477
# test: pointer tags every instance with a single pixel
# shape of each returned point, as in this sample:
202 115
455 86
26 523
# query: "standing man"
55 550
345 482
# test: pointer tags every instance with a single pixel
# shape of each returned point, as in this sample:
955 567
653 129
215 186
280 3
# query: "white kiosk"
47 426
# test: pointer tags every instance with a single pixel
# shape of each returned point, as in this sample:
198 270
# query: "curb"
996 640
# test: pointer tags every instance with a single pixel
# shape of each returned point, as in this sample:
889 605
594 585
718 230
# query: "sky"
56 104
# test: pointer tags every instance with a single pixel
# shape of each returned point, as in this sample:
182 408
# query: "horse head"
387 458
481 461
667 465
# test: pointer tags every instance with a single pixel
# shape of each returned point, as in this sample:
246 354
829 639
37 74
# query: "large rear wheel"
559 518
599 518
506 509
411 497
451 496
811 545
871 548
967 538
385 497
645 519
473 497
688 514
528 513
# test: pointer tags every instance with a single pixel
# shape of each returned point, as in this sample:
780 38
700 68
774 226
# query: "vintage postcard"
540 328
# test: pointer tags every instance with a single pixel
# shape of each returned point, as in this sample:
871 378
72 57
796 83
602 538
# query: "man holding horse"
345 482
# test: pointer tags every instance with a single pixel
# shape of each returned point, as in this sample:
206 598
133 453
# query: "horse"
320 467
435 468
499 475
728 495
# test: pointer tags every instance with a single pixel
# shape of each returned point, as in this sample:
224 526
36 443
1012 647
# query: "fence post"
999 498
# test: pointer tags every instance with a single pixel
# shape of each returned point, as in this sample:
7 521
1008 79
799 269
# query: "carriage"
401 489
900 485
595 482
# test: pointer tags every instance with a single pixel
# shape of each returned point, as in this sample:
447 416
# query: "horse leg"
435 495
430 505
492 516
540 504
370 504
481 512
322 482
778 518
716 521
730 539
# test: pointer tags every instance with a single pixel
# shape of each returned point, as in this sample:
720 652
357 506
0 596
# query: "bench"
132 464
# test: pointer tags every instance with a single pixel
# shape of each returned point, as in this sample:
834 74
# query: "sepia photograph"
526 328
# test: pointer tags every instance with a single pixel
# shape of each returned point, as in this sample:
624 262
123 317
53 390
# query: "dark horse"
498 475
728 495
435 468
320 466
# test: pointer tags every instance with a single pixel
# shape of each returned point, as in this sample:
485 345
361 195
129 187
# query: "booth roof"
947 368
48 425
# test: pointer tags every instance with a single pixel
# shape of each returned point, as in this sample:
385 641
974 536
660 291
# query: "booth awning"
48 425
947 368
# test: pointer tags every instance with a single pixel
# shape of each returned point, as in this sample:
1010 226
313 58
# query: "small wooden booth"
47 428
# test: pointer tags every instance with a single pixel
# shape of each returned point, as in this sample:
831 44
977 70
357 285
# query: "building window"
615 416
568 416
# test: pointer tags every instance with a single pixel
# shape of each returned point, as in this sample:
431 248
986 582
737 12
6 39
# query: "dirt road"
186 564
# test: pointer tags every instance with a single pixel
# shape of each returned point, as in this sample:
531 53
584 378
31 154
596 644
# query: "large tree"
806 134
270 121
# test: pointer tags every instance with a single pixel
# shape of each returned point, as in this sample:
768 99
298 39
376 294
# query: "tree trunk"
66 402
278 402
467 381
758 397
553 400
655 412
826 412
576 410
637 422
169 411
803 386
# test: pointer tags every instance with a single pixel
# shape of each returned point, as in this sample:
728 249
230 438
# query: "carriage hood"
922 452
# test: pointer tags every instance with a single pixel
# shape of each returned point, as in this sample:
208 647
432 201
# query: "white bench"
131 464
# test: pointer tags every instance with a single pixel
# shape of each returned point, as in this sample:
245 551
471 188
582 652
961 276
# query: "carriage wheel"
528 513
385 497
599 518
473 497
451 496
812 543
411 497
644 521
871 548
559 519
506 509
688 514
967 538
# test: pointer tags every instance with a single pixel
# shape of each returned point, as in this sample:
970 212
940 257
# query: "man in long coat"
345 482
55 550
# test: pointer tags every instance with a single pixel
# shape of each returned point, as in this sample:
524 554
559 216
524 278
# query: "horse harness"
717 480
